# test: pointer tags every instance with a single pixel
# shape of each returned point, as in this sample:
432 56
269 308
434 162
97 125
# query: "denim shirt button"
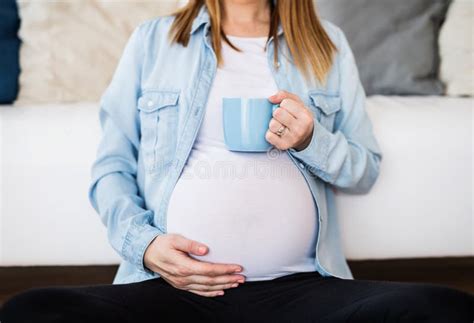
301 165
150 103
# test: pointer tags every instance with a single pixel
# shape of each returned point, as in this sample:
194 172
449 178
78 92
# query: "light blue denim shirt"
150 115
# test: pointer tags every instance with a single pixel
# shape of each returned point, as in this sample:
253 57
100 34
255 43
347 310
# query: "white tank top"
252 209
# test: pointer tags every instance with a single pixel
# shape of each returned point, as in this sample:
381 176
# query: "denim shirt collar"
203 18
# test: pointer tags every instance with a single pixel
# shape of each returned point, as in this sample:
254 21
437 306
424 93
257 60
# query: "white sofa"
421 205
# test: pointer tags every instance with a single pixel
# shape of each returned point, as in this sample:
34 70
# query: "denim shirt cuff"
316 154
136 242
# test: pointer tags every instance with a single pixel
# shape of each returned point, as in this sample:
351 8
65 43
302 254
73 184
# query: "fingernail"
234 285
238 270
220 293
202 249
241 281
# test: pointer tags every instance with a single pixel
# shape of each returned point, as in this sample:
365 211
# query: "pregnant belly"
266 224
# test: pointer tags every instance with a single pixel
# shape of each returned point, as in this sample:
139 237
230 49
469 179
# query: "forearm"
349 164
129 225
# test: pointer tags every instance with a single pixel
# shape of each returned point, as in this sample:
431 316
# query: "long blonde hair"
308 42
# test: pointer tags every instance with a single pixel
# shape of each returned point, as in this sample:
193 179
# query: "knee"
33 305
435 302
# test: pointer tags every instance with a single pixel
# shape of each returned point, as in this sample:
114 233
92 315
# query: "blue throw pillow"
9 51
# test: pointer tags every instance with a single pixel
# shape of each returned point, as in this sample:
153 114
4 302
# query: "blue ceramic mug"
245 123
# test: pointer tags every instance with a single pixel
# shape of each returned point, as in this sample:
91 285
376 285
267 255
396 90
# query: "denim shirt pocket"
325 107
158 125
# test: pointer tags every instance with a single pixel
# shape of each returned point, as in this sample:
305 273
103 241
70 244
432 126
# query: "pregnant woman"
212 235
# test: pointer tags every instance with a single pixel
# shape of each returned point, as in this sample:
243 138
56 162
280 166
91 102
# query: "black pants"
300 297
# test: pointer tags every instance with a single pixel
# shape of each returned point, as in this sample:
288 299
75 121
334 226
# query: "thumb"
277 97
281 95
190 246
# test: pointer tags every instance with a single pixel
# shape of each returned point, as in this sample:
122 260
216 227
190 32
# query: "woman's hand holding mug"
292 123
168 256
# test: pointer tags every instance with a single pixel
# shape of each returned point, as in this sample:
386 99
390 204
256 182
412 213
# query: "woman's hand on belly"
168 256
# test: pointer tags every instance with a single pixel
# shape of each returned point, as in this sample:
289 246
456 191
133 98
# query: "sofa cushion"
395 42
456 43
71 48
9 51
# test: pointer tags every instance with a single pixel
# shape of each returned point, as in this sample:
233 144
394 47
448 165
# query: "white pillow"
70 49
456 49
